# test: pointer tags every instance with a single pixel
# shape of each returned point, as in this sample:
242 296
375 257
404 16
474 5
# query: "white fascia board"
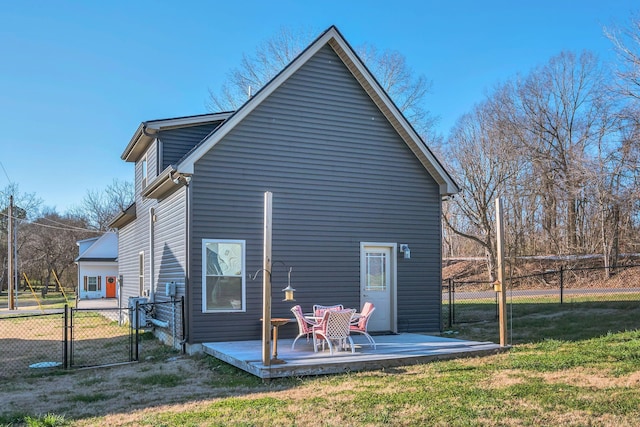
141 138
186 121
187 165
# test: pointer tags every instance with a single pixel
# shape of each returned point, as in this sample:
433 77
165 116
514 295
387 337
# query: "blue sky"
78 77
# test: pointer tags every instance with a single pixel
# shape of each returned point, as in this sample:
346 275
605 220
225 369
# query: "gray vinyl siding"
170 250
340 175
178 142
128 262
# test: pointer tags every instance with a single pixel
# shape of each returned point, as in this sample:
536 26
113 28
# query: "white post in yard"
266 283
501 288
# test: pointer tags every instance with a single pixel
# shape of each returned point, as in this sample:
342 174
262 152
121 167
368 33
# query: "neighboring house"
98 267
351 182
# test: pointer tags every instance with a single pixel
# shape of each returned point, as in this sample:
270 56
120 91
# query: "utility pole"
10 246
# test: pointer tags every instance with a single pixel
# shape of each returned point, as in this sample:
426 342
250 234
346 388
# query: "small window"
144 172
223 275
92 283
141 272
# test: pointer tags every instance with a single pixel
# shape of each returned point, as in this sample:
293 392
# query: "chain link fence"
30 342
476 301
100 337
87 337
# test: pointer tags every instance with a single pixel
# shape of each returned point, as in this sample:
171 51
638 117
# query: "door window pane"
376 271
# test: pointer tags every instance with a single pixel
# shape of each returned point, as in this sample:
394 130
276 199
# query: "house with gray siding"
356 204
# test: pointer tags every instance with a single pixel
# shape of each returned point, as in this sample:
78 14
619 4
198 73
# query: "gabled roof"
103 248
334 39
147 131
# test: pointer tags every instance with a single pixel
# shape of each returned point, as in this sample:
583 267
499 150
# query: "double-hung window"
92 283
223 275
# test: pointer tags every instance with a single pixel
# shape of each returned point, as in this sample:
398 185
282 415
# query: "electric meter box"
170 289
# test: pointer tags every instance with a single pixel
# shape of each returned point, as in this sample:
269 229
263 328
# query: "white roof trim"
186 121
333 37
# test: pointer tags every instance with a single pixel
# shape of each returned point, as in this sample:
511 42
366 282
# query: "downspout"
185 180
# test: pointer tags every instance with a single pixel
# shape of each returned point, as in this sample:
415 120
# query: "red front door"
111 287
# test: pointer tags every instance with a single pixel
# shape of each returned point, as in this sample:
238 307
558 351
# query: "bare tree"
256 70
99 207
627 44
561 112
484 161
50 245
389 67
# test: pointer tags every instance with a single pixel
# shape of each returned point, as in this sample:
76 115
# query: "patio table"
276 322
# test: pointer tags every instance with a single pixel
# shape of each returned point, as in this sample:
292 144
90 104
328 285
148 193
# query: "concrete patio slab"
391 351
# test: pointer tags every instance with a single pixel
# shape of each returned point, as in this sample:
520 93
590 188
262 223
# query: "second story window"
144 172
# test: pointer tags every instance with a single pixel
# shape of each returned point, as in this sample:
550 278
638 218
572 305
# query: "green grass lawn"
577 364
53 300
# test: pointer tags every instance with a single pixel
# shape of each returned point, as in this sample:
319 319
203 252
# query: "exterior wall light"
404 248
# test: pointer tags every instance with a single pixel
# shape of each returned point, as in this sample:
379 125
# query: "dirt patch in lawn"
579 377
99 391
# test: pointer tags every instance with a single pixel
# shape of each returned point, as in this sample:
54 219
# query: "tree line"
560 146
45 240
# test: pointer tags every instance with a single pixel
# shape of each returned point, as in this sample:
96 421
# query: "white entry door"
377 285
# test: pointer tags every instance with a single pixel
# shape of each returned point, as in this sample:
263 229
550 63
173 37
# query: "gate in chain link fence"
31 340
100 337
75 338
467 301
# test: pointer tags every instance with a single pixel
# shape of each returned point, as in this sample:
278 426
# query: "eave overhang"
148 131
124 217
166 183
96 259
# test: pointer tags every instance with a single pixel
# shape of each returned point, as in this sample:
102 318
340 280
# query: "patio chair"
305 326
318 310
361 323
334 329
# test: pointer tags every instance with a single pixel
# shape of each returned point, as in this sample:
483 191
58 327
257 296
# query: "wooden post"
502 289
10 294
266 282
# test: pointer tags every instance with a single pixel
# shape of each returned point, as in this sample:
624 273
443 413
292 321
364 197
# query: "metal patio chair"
361 323
305 326
318 310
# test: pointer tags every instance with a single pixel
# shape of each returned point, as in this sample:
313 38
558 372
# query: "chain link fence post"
561 284
65 338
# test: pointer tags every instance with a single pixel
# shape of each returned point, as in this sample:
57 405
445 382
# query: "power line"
64 227
6 174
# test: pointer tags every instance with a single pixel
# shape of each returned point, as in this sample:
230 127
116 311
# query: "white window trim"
204 276
145 171
141 278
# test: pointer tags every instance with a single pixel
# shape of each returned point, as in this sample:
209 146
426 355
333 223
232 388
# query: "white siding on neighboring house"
93 279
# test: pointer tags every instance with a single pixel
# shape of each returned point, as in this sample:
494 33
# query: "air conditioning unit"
140 320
